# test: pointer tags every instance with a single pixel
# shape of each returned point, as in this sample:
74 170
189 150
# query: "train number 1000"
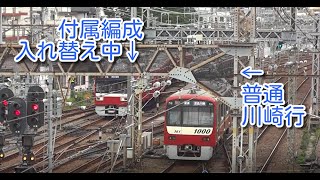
202 131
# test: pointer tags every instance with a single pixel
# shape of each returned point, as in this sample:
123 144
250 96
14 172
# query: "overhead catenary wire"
308 38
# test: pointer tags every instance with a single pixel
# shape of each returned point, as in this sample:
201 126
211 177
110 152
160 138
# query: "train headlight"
123 99
99 98
188 147
24 158
172 138
205 139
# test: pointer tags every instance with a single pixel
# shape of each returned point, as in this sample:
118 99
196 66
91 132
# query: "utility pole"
291 98
1 25
31 28
315 80
49 113
252 147
139 89
235 141
148 17
131 108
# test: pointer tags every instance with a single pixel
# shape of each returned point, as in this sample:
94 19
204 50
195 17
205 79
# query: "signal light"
35 107
17 112
5 94
1 154
16 105
5 103
27 157
16 116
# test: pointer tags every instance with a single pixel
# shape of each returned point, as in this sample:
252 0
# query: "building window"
221 19
52 15
83 80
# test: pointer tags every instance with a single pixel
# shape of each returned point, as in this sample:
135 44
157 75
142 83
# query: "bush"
83 98
305 140
301 158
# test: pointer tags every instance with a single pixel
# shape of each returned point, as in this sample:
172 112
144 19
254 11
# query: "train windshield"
174 117
111 85
197 116
193 113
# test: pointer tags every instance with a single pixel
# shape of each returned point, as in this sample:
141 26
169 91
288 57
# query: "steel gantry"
243 158
315 79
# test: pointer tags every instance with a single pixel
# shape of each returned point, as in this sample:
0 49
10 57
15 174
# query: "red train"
111 92
111 96
194 123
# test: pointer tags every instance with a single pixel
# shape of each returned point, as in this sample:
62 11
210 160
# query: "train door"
220 119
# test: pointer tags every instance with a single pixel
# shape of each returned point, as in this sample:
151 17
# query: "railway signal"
17 115
2 143
56 105
35 107
279 46
27 143
5 94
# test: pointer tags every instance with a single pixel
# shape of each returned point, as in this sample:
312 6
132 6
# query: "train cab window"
197 116
174 117
192 113
111 86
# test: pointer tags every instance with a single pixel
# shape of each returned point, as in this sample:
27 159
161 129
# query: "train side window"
218 120
223 111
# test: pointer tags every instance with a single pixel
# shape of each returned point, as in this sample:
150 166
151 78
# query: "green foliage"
83 98
301 157
318 133
304 144
303 147
305 140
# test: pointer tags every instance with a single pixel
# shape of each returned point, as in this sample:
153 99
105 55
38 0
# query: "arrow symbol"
133 54
248 72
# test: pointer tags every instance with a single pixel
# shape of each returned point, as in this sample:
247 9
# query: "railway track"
40 144
180 166
84 165
85 137
41 133
266 151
